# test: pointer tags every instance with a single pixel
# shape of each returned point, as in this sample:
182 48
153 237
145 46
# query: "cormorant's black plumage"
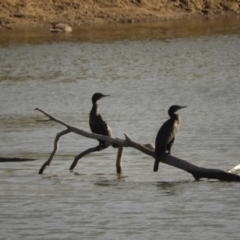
97 124
166 135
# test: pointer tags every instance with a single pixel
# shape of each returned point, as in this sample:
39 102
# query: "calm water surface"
145 68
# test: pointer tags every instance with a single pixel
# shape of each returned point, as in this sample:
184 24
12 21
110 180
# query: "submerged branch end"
47 120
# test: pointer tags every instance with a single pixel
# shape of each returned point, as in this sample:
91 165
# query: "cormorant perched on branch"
166 135
97 124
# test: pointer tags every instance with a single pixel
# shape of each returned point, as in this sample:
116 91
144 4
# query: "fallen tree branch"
82 154
16 159
196 171
56 145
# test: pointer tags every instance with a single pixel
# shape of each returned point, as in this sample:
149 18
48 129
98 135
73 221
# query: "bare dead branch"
84 133
234 169
47 120
16 159
55 148
82 154
196 171
119 160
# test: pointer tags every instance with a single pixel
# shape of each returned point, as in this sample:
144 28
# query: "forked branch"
197 172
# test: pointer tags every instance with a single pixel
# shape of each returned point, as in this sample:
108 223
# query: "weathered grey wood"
82 132
55 148
234 169
16 159
119 159
82 154
199 172
196 171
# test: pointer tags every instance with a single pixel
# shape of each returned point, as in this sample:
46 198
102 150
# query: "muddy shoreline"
34 13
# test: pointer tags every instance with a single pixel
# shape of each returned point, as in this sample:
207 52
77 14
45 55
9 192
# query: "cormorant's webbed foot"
100 146
114 145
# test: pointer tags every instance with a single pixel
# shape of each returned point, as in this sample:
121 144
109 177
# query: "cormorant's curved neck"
173 115
95 109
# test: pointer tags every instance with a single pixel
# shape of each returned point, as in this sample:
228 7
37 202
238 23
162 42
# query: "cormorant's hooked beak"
179 107
103 95
182 107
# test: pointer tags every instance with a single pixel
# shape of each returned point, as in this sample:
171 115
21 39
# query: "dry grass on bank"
17 13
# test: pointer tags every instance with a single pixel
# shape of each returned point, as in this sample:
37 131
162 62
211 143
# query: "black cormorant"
166 135
97 124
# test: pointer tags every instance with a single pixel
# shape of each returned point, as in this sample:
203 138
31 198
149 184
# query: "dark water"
145 68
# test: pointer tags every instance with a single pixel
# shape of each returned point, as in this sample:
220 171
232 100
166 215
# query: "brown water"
146 68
